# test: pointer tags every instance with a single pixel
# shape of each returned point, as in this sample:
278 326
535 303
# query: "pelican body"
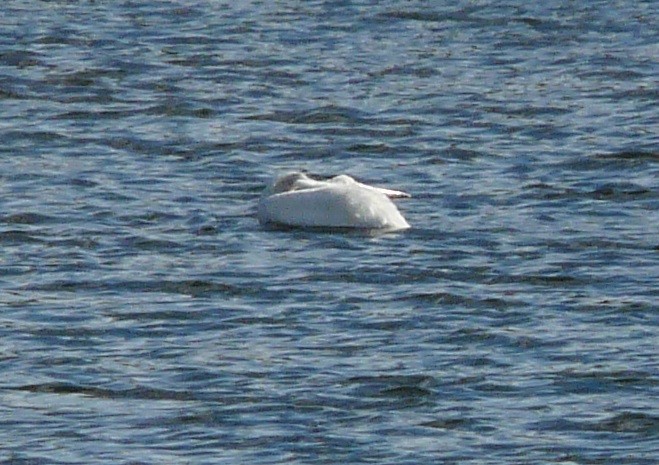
295 199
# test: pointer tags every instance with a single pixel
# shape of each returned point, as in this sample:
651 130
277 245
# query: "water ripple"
147 317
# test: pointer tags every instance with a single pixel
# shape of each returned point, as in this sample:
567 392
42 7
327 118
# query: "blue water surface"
147 318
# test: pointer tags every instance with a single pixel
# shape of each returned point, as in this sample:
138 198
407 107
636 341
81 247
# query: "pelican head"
290 182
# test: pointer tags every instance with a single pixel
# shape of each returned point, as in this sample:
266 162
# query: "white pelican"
294 199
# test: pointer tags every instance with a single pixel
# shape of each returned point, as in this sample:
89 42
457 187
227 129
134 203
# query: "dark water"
146 317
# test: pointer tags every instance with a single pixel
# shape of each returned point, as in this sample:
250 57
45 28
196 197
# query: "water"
146 317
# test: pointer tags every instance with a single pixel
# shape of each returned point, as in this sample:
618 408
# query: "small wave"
629 422
140 393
